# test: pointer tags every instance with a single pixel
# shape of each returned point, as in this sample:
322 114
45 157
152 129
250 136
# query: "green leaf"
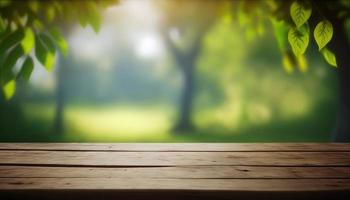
299 39
302 63
12 57
323 33
94 17
2 24
34 6
27 68
287 64
83 21
28 41
289 61
50 13
10 40
48 43
329 57
38 25
300 12
43 54
281 32
95 21
9 89
60 41
6 76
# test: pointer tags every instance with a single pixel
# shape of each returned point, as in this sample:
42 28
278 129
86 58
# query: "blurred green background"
124 85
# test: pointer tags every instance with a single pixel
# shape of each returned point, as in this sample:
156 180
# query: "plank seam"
150 166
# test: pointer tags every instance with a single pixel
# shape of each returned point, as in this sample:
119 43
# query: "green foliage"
300 12
288 62
93 17
44 53
291 62
299 39
27 26
323 33
329 57
290 23
14 54
9 89
302 64
27 68
28 41
280 30
10 39
60 42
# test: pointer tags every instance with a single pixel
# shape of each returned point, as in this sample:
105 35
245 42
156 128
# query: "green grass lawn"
113 123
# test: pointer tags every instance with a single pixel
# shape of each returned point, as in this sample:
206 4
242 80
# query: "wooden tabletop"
175 171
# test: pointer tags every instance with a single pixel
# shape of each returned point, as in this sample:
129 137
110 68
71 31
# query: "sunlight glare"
148 46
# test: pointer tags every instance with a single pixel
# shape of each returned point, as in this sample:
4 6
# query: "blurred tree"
60 94
182 33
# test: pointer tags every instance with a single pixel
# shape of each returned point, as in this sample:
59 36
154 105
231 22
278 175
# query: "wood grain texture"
174 158
179 172
182 147
175 184
174 171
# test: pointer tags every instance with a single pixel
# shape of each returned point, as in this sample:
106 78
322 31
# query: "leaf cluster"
296 24
34 30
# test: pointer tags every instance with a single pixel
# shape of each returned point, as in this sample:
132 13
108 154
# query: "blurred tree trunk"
341 48
186 61
191 24
61 85
184 121
60 95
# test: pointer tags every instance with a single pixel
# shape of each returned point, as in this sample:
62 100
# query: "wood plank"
195 172
181 147
65 158
175 184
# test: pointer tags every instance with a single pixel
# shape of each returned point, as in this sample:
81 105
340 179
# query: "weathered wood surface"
174 158
176 184
174 171
179 172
